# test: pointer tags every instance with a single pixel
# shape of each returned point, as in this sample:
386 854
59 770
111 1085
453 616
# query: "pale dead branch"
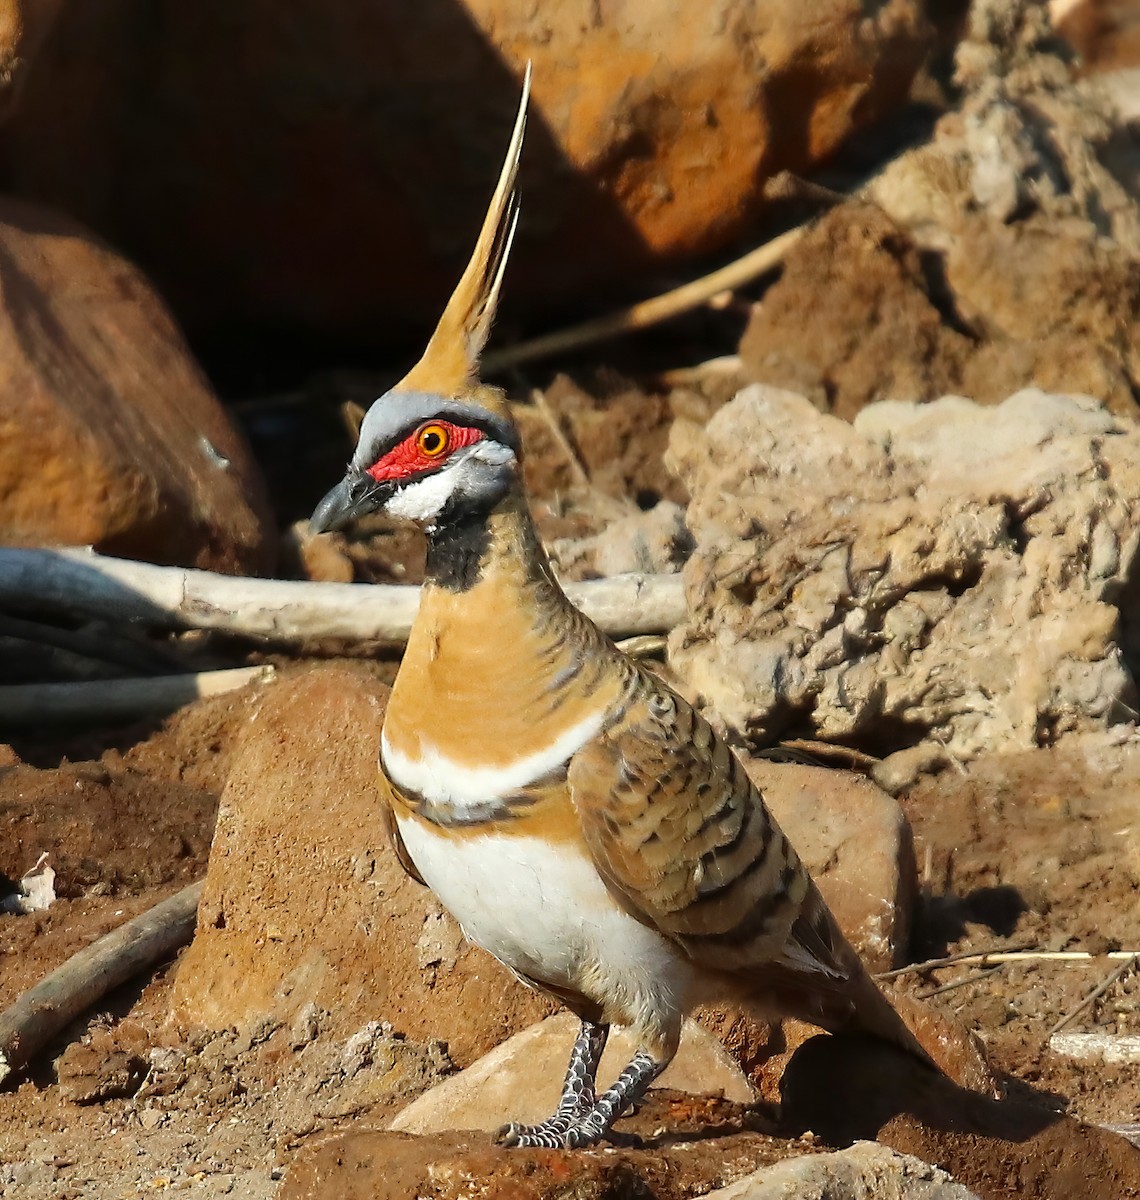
670 304
80 582
972 959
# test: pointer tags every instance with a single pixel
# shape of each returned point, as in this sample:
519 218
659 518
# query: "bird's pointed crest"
450 364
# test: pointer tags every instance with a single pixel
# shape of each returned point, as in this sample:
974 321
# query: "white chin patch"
423 500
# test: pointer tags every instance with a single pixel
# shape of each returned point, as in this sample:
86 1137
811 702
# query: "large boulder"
945 575
856 842
109 433
322 165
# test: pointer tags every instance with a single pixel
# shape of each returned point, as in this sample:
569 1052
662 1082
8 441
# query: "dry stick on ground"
724 366
23 704
1095 994
285 611
954 984
974 959
40 1013
683 299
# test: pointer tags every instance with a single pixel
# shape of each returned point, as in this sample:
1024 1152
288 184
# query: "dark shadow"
845 1089
88 739
83 742
1126 597
941 294
279 169
943 919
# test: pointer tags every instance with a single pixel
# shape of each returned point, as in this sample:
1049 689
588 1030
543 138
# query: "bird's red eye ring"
433 439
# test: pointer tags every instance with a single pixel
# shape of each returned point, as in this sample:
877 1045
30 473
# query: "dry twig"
973 959
1096 993
40 1013
954 984
680 300
569 451
725 366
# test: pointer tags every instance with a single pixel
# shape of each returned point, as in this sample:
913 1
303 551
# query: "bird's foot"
562 1131
583 1120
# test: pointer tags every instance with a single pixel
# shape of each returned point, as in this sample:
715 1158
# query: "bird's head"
426 459
441 445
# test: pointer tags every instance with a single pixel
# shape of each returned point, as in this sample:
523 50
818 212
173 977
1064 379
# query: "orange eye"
433 440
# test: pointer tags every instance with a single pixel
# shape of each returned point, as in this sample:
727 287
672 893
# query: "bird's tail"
821 979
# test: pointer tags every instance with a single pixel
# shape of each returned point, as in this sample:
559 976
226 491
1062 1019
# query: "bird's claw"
563 1131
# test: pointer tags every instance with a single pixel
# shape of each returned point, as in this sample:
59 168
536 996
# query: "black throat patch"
456 550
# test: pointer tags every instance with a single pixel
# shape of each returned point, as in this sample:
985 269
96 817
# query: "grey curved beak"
349 500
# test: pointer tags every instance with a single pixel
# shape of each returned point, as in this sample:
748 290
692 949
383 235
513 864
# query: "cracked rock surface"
946 576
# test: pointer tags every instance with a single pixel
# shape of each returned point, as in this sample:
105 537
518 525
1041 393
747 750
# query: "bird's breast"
536 903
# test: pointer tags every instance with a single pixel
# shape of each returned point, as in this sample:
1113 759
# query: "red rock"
109 434
846 1088
331 174
1105 33
368 1163
856 842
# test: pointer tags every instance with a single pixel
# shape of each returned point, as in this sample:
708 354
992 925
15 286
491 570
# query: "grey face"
470 477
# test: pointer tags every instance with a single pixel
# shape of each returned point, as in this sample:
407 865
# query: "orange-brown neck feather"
500 668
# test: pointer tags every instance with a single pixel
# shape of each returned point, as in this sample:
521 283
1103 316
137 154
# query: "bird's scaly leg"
583 1118
628 1089
578 1097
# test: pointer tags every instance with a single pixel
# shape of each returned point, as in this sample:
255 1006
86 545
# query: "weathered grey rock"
1031 134
864 1171
1004 251
655 541
856 841
944 573
520 1080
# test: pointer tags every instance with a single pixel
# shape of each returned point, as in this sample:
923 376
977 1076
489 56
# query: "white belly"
543 910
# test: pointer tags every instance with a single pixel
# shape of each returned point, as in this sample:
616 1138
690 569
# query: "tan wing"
451 361
684 840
